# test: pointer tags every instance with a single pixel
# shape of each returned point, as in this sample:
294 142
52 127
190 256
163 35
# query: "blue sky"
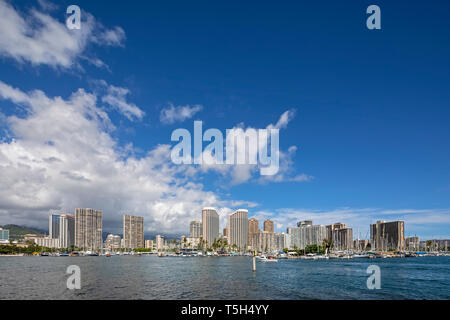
371 108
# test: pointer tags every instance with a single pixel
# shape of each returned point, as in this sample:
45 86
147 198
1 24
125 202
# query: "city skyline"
84 231
361 140
195 227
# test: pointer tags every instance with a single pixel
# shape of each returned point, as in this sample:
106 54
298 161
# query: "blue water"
150 277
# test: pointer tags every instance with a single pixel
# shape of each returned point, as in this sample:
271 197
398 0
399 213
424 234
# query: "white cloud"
112 37
47 5
286 172
38 38
116 98
174 114
61 156
242 173
284 119
416 221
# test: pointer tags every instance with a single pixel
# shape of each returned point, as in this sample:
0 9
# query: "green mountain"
17 232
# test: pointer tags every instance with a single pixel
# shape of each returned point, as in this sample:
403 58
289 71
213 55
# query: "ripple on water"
150 277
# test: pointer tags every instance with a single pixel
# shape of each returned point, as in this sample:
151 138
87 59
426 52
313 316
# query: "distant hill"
17 232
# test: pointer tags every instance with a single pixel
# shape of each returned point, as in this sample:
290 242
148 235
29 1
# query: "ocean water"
151 277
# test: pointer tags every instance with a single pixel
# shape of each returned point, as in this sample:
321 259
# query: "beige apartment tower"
133 232
88 229
268 225
253 227
210 225
238 227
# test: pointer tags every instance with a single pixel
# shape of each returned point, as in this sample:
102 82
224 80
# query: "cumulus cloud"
174 114
286 172
416 221
111 37
61 155
116 98
242 173
38 38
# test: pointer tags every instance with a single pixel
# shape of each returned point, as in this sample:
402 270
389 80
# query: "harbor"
148 276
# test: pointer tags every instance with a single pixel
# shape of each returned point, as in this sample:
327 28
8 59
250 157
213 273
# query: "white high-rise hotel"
210 225
61 230
238 228
307 234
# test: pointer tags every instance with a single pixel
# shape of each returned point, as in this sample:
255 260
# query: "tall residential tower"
133 232
210 225
238 226
88 229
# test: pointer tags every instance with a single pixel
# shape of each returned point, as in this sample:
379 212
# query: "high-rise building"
306 234
294 233
253 227
4 235
53 226
66 233
159 242
149 244
319 233
332 227
238 226
412 243
133 231
61 228
387 235
265 241
195 228
210 225
343 239
268 225
88 229
112 242
225 236
304 223
340 236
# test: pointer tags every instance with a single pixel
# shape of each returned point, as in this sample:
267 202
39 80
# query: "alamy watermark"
250 147
74 20
74 280
374 281
374 20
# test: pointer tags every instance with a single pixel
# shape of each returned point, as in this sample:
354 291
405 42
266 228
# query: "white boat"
265 259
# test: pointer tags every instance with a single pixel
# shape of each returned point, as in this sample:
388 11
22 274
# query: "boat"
360 255
45 254
265 259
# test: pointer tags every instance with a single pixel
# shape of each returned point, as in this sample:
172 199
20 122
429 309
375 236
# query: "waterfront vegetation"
13 249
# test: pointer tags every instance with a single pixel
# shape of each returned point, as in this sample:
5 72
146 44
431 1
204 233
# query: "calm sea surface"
150 277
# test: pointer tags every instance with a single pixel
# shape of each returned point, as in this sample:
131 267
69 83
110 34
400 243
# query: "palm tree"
429 243
327 244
